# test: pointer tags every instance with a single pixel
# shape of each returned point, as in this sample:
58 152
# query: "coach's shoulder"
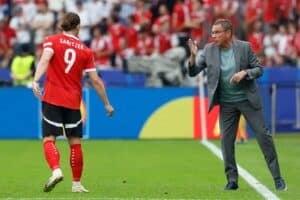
210 45
242 42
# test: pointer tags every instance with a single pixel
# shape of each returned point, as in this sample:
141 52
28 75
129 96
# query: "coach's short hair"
70 21
225 23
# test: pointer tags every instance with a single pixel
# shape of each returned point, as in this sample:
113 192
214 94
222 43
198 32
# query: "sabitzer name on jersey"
70 43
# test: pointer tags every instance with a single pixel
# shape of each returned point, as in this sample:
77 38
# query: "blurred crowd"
147 36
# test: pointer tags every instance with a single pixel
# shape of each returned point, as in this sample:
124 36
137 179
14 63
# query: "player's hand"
237 77
193 47
36 89
109 110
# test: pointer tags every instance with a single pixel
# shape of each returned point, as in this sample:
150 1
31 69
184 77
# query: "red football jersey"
64 74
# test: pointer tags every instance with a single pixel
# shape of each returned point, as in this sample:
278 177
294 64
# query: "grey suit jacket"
245 59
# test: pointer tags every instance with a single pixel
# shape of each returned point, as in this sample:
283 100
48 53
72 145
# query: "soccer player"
64 59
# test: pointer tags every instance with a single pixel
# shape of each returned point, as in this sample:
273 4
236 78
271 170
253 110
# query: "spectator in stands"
256 37
297 9
127 8
196 23
142 14
285 9
58 9
164 65
56 6
270 42
145 43
227 9
117 33
187 17
180 18
85 23
131 37
236 92
22 67
270 13
286 50
291 50
254 12
102 48
22 28
42 23
297 41
4 6
164 17
141 60
29 9
95 10
7 41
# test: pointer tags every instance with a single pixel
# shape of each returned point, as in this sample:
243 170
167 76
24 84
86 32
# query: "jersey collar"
72 36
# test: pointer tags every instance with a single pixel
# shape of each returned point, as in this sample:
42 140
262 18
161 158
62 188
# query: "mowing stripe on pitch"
100 198
253 182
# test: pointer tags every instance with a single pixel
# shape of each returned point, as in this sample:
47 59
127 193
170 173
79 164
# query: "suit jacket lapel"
237 55
217 59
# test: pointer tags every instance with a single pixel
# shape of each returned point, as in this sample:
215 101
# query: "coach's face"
220 35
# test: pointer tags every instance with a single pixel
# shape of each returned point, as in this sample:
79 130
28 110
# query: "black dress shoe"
231 186
280 184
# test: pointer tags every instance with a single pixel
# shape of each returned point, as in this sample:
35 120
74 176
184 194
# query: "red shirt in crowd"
163 42
197 32
131 37
256 42
142 17
64 74
145 45
285 8
270 11
99 46
117 32
8 37
159 21
253 9
179 16
297 43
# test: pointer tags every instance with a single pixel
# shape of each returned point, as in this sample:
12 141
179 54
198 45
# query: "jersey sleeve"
90 65
48 44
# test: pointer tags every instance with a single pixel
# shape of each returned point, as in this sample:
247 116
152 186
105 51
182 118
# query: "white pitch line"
251 180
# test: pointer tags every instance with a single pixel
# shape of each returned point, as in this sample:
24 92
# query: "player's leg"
52 127
73 128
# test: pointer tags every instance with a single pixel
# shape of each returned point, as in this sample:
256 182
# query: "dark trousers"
229 120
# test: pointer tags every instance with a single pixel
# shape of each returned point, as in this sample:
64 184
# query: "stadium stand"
117 30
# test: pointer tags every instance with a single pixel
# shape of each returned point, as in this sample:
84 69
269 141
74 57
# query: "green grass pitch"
144 169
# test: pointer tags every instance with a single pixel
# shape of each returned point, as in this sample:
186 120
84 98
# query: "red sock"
76 161
51 154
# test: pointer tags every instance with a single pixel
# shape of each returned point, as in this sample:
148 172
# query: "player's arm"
40 71
100 89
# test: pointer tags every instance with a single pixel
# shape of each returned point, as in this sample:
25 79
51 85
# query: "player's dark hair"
70 21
